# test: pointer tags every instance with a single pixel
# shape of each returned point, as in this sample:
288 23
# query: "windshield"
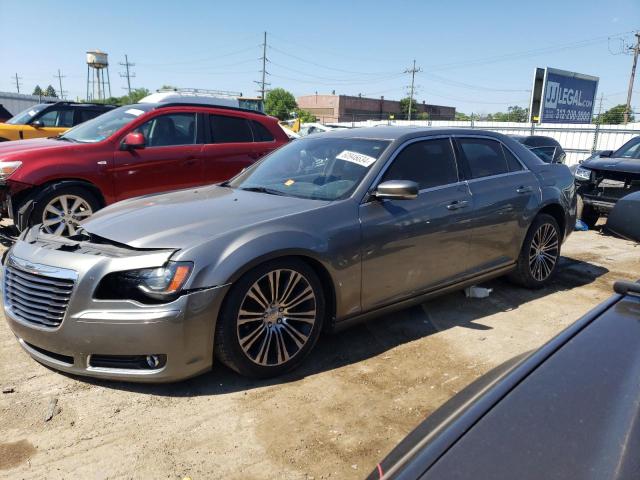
629 150
322 168
105 125
25 116
543 153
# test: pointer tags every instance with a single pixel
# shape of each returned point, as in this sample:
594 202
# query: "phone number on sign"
569 115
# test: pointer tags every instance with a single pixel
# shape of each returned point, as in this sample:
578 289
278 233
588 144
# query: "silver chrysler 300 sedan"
326 231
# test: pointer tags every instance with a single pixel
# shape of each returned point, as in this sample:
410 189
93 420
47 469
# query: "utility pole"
60 77
263 83
636 51
128 75
413 72
18 82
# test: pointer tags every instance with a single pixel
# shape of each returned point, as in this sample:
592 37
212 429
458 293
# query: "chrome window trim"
487 137
400 148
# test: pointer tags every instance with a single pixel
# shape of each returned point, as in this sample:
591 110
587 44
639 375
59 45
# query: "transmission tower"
127 73
413 72
17 79
59 76
263 83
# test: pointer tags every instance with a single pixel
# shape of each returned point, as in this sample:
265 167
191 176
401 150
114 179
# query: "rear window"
229 129
260 132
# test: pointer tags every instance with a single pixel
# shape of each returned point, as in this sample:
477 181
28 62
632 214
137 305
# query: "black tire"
530 273
45 197
260 327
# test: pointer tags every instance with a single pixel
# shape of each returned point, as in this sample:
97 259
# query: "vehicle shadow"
377 336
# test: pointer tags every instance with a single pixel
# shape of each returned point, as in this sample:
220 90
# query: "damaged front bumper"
113 339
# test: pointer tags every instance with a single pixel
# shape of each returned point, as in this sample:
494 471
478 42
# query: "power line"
59 76
413 72
127 74
263 83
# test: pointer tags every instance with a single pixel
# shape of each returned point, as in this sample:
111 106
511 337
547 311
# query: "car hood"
612 164
186 218
10 149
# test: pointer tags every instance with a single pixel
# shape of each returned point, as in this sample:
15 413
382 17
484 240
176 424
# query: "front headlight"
7 168
583 173
148 285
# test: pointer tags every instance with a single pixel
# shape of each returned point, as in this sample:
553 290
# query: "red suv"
130 151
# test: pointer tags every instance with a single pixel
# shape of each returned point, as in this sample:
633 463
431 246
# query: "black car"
606 178
566 411
547 149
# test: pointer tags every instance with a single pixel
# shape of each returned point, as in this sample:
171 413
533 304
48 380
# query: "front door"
411 246
54 121
170 160
503 191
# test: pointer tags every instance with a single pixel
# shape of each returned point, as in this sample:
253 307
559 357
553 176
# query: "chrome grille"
37 294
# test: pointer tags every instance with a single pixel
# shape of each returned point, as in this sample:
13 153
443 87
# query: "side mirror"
605 153
37 124
397 190
133 141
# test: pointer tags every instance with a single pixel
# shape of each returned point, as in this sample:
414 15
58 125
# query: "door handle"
457 204
524 189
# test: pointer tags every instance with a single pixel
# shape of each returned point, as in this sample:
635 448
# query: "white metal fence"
579 141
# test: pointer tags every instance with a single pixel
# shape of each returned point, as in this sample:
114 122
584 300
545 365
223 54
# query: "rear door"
409 246
229 148
503 192
169 161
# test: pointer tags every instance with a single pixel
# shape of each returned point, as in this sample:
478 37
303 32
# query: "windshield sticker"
355 157
134 111
32 113
289 182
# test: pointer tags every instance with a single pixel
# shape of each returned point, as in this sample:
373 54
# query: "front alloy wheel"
271 319
276 317
62 214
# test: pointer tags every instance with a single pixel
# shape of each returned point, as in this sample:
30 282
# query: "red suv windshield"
105 125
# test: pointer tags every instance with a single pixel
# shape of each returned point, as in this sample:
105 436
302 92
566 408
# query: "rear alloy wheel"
544 252
63 214
540 253
271 319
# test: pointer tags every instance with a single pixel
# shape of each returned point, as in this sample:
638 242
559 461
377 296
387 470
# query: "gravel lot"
357 395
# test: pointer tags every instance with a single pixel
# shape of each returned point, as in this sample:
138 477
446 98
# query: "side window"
260 132
229 129
485 157
57 118
173 129
429 163
512 162
82 115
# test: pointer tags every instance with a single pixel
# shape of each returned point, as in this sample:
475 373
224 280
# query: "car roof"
536 416
156 105
401 133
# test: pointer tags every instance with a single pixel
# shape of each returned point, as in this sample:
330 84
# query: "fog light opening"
153 361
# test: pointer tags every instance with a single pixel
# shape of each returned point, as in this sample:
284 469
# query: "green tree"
614 116
404 106
50 92
280 103
136 95
513 114
462 116
305 116
38 91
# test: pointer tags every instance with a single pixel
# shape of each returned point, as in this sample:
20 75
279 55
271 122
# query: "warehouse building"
346 108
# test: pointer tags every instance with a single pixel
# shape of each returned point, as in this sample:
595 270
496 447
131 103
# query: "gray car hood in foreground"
188 217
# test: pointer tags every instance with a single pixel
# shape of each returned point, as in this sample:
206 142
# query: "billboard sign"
559 96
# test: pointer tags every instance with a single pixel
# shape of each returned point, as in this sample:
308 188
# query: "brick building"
345 108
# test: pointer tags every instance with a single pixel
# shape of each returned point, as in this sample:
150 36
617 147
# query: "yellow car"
49 119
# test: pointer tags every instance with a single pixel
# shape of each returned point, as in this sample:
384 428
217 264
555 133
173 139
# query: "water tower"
97 83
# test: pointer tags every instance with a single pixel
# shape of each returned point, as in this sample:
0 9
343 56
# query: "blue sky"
478 56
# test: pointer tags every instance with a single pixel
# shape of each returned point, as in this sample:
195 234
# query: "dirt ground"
357 395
